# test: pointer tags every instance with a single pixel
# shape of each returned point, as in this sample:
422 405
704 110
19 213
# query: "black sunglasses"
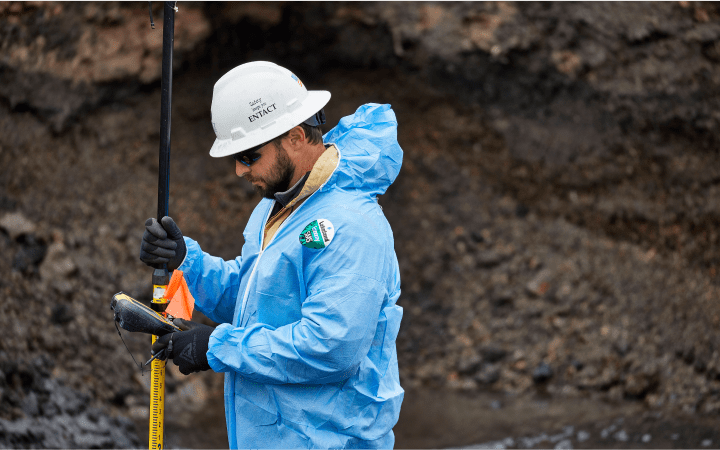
248 157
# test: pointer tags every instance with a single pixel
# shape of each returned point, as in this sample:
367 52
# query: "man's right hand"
162 243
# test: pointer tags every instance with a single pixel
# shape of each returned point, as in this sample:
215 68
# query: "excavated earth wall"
555 217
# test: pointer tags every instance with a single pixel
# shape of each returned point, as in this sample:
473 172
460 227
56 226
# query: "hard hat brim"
314 102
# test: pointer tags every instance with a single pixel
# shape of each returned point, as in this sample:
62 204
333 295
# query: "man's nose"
241 169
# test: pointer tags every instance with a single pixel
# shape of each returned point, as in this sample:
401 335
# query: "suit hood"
370 156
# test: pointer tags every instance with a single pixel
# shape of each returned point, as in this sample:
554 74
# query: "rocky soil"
555 218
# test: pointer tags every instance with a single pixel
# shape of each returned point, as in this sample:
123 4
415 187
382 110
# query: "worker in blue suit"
307 313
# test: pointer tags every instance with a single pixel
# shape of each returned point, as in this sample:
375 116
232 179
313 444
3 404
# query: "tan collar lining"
321 171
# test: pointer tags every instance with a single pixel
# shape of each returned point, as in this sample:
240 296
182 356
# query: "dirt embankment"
554 218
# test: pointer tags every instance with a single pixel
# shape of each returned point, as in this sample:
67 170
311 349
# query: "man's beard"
279 178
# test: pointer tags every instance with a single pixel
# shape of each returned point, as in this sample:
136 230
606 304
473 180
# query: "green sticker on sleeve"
317 234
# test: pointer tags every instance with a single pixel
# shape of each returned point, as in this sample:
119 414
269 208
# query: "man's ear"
297 137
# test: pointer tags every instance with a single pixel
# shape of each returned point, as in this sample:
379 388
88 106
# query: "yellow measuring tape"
157 385
157 402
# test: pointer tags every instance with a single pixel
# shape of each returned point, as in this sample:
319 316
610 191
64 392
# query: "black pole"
161 277
165 112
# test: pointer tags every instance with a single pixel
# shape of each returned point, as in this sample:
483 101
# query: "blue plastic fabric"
307 336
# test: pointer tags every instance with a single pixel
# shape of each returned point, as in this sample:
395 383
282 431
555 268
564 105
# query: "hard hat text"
262 113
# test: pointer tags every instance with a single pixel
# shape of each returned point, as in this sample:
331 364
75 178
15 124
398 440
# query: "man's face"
271 173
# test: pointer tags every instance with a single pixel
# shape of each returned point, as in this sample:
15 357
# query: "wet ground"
448 419
436 419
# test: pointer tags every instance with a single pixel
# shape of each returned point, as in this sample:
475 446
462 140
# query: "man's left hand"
189 347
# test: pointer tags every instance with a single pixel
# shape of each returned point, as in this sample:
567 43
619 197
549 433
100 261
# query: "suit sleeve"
213 282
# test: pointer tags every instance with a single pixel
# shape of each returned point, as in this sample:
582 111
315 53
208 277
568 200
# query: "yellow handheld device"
132 315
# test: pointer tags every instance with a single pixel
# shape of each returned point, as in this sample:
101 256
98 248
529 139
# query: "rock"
521 210
638 385
122 432
542 373
488 259
583 436
566 433
7 203
469 365
687 353
58 264
61 315
488 374
621 436
622 347
707 32
477 237
539 285
14 432
605 433
30 405
69 401
499 445
493 354
16 224
30 254
530 442
462 384
502 298
87 440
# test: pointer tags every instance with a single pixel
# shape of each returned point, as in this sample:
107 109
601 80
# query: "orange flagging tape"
181 301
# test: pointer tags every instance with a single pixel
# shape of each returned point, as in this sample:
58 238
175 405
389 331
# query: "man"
307 313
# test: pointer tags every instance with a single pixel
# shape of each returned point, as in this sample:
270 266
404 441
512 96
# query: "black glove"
189 347
162 243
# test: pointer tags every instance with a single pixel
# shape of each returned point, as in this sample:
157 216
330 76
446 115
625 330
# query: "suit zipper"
257 260
262 236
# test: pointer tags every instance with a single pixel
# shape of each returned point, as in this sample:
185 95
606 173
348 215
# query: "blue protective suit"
307 336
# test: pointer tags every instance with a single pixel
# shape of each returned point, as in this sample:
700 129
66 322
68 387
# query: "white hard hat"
257 102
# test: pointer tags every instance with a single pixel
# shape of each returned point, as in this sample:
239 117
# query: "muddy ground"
555 218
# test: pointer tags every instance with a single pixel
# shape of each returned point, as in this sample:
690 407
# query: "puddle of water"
437 419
